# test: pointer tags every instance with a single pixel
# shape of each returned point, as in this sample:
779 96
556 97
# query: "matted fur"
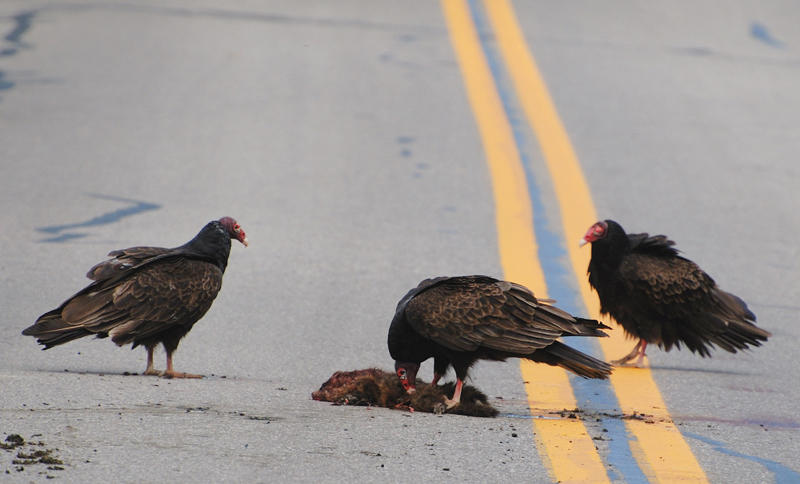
374 387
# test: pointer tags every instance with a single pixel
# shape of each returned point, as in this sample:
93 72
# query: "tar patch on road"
29 456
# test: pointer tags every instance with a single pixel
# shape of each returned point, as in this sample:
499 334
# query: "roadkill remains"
374 387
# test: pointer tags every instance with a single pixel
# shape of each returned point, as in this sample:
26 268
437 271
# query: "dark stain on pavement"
66 231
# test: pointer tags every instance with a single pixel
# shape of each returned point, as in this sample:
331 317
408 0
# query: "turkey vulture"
662 298
146 295
460 320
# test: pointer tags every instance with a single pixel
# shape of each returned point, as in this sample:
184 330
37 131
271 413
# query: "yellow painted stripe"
660 450
567 450
565 446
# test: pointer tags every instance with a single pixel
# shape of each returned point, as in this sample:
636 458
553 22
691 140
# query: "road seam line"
660 449
566 448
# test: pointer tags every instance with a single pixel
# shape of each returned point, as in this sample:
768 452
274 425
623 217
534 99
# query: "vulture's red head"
596 231
234 229
407 373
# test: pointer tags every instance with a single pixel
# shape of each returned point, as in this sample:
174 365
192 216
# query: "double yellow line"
565 445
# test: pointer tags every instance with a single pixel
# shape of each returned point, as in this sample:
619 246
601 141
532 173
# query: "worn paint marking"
782 473
106 218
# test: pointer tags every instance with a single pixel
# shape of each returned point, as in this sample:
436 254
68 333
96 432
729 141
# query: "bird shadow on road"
698 370
95 373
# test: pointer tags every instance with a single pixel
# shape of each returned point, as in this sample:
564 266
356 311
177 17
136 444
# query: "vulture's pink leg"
151 369
456 395
171 373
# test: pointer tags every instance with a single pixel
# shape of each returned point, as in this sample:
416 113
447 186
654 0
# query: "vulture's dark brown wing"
123 260
673 287
681 303
465 313
137 304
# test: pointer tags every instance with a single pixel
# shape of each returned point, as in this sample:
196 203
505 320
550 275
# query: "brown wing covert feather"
122 261
500 315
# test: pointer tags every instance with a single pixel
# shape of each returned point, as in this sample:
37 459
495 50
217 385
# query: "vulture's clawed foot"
625 363
450 403
176 374
404 405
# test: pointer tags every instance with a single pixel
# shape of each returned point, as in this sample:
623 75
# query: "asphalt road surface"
340 135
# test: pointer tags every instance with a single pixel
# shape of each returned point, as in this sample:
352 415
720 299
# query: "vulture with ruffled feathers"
662 298
146 295
460 320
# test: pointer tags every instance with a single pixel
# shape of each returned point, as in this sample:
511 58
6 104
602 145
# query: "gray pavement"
339 135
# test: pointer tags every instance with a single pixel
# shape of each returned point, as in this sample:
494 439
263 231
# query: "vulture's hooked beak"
407 373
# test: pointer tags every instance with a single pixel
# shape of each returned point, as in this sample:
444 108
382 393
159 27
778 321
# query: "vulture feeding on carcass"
460 320
146 295
662 298
374 387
